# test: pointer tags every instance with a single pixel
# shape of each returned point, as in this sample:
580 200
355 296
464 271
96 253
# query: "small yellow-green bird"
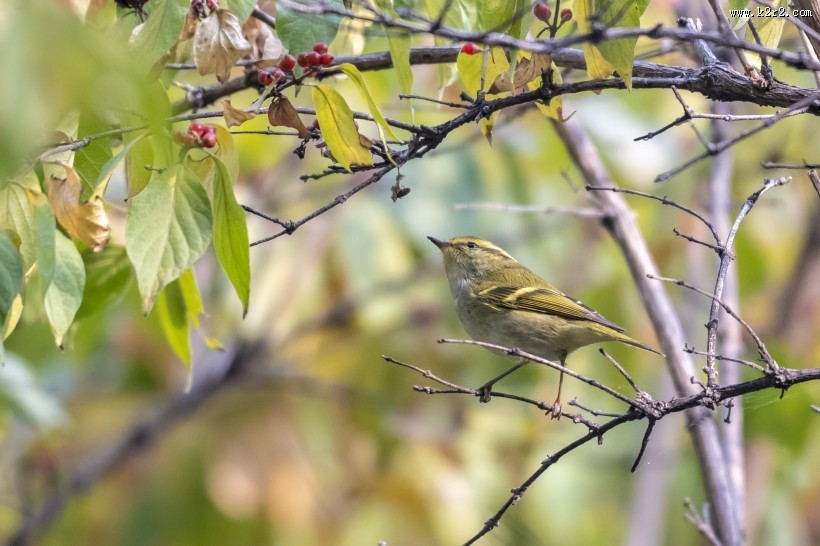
500 301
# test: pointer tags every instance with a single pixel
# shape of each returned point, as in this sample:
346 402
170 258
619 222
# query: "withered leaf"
234 116
266 48
86 221
190 26
282 114
365 142
526 71
218 44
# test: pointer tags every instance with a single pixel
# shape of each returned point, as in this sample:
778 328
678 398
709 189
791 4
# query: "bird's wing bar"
543 300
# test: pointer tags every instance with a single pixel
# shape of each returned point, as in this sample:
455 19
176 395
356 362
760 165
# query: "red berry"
209 140
566 14
320 48
542 11
313 58
287 63
195 127
469 48
278 75
326 59
262 76
301 59
213 4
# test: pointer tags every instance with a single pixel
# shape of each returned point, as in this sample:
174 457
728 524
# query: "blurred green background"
331 445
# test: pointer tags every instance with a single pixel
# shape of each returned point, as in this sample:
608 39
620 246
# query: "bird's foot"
555 412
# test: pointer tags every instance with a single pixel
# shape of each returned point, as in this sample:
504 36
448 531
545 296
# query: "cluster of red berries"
198 6
543 12
266 78
203 135
318 57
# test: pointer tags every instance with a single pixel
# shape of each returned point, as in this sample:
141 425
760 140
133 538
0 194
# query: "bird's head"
470 256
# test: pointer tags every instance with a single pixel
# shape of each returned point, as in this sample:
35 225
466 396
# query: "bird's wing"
546 300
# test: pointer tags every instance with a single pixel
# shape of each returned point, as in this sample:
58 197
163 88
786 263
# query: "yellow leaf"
218 44
487 127
554 109
357 78
339 131
471 67
598 68
233 116
87 221
769 29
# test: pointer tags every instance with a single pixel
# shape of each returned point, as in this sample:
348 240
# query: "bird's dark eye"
472 245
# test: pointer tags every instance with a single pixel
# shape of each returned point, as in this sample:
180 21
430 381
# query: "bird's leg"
485 390
556 406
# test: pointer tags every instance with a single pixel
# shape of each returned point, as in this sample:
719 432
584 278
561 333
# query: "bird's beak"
440 244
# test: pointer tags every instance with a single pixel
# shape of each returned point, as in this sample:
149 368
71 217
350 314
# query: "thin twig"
719 147
664 200
586 212
761 346
704 527
512 351
620 369
749 363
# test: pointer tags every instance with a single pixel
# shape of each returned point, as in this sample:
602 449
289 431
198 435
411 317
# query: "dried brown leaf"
233 116
365 142
266 48
86 221
190 26
526 71
282 114
218 44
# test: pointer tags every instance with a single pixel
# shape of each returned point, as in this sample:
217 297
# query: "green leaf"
11 274
495 15
524 17
339 131
171 312
161 30
167 230
90 160
460 14
620 53
107 275
16 216
231 243
193 300
299 31
45 229
104 175
241 8
643 4
227 151
398 43
65 291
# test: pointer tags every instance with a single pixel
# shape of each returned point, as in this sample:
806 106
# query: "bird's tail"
623 338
